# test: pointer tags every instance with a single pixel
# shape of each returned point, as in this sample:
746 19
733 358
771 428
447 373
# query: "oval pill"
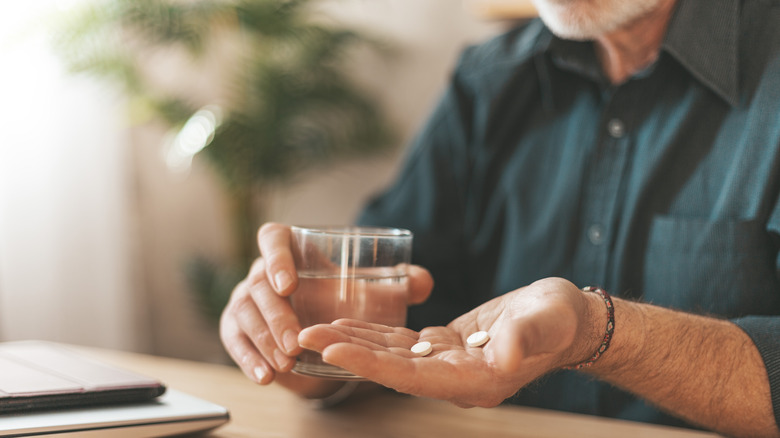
422 348
477 339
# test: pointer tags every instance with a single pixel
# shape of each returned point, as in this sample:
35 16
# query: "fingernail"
290 341
260 374
282 280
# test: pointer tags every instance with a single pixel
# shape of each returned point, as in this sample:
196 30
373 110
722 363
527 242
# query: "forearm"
705 370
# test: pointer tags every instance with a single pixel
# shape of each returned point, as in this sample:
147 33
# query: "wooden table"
271 411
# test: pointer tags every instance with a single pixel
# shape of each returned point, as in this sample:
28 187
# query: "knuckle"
237 350
260 337
258 265
268 232
278 320
273 260
275 314
256 272
267 228
227 331
244 304
239 293
271 238
227 320
265 344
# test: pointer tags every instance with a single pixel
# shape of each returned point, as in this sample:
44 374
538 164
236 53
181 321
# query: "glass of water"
348 272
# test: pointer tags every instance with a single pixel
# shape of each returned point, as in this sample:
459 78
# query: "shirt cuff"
765 333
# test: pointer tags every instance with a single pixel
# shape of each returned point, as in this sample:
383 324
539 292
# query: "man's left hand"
533 330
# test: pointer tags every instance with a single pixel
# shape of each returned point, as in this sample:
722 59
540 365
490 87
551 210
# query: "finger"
242 350
251 323
420 284
377 327
274 242
397 337
251 363
427 377
317 338
256 271
320 336
279 319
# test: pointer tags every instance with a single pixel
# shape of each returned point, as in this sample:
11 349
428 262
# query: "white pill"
477 339
422 348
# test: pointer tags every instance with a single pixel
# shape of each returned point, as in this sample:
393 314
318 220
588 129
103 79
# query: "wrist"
628 347
595 329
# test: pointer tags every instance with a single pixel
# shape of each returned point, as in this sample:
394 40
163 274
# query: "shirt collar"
703 36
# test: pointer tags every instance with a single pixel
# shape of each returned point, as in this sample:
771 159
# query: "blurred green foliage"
290 102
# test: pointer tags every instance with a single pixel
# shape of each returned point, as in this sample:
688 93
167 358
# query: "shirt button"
596 234
616 128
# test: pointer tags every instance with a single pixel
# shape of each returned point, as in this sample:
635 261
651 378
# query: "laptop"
46 389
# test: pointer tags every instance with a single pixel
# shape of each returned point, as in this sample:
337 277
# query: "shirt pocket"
724 268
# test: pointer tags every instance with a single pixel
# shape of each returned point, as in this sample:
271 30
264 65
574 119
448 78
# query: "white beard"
588 19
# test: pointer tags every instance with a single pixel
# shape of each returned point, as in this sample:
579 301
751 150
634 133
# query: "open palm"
531 331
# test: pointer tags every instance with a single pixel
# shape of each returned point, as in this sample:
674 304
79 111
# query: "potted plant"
284 100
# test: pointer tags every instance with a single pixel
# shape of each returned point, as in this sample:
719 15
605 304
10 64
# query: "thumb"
531 336
420 284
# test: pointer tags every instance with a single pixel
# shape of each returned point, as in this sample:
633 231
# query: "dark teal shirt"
663 189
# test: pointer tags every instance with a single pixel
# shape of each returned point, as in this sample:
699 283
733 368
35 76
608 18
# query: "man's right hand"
258 326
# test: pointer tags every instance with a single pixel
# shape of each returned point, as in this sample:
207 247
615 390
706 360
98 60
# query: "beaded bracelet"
610 328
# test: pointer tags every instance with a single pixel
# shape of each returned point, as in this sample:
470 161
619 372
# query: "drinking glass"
348 272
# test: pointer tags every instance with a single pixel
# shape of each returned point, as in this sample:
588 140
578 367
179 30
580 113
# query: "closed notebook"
46 389
39 375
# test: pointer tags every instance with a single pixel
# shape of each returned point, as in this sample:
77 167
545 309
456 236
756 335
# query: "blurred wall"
66 227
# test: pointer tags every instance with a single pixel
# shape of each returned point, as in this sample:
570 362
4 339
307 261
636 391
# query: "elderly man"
632 145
